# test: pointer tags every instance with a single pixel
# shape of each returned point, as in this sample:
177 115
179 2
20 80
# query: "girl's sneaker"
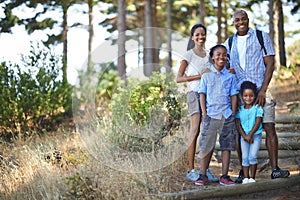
245 180
192 175
251 180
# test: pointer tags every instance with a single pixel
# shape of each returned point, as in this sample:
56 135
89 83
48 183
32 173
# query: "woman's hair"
191 43
248 85
212 50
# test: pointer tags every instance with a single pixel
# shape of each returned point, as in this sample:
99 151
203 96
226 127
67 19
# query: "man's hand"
261 98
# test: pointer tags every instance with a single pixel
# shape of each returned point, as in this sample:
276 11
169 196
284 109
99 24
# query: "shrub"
33 96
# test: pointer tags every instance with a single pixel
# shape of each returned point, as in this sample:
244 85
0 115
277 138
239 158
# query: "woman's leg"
194 133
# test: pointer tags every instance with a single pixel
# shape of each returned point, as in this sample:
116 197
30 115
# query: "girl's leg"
245 147
253 152
194 133
253 170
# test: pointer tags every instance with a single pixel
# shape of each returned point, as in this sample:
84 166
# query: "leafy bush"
148 107
33 96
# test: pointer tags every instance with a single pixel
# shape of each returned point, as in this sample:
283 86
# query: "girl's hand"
248 139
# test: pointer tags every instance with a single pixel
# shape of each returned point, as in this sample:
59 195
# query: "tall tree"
169 39
148 39
280 27
202 12
121 38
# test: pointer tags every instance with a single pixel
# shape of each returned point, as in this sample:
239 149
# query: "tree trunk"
121 38
65 44
91 37
202 11
169 42
281 33
219 17
148 39
276 36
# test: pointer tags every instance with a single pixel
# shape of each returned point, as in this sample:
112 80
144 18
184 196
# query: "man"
251 63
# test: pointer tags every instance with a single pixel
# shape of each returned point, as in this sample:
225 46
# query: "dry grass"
58 166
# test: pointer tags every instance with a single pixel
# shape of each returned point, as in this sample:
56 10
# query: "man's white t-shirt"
241 47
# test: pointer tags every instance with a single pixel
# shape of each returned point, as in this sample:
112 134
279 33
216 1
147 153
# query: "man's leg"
271 137
271 143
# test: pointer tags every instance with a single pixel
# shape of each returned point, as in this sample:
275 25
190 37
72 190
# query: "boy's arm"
203 104
233 103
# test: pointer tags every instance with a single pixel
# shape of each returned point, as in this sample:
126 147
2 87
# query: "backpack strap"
230 42
261 40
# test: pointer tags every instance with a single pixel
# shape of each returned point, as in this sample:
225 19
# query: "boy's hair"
248 85
211 53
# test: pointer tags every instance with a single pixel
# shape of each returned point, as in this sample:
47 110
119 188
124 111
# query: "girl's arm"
181 77
240 128
256 126
203 104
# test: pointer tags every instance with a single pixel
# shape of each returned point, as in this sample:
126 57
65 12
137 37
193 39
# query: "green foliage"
293 53
145 107
107 81
80 187
33 96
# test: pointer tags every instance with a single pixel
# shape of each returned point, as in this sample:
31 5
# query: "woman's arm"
181 77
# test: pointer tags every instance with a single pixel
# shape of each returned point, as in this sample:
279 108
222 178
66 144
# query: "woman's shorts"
193 102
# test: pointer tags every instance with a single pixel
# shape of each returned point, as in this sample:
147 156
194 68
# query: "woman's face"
220 58
199 36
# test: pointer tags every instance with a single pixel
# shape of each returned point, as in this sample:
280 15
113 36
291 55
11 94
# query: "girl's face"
248 96
199 36
220 58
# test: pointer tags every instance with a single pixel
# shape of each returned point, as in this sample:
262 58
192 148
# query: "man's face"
241 23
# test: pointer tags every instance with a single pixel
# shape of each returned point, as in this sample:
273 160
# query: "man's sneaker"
225 180
192 175
210 176
202 180
240 177
279 173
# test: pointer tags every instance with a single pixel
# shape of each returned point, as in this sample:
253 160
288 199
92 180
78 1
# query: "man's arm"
269 63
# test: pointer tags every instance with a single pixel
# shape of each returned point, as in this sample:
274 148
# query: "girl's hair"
191 43
248 85
212 50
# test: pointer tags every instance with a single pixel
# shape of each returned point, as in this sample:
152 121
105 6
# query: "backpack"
259 37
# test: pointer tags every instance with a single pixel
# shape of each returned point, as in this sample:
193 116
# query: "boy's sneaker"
279 173
210 176
225 180
240 177
202 180
192 175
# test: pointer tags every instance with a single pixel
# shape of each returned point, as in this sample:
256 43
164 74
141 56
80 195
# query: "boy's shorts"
226 128
193 102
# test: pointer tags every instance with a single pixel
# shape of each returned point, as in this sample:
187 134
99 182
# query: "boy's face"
220 58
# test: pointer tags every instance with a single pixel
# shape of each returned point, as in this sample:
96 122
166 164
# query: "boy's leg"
225 162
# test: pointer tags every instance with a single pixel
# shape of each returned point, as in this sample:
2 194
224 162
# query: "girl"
249 125
194 64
